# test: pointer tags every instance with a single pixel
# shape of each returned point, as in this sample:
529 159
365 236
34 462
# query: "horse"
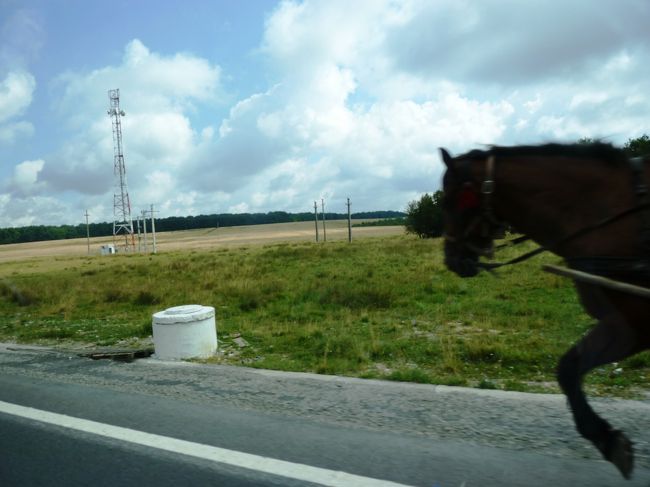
587 203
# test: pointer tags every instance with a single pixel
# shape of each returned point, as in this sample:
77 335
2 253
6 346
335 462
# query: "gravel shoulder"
509 420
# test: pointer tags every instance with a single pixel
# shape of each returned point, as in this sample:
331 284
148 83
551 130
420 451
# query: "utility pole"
153 230
87 232
349 222
322 202
316 218
144 225
139 233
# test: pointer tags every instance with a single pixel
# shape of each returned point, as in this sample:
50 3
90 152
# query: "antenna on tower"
122 222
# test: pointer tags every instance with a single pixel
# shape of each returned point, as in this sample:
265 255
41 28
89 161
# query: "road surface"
69 420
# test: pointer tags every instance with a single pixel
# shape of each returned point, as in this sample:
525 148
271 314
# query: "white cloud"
17 211
148 82
9 132
159 95
534 105
588 98
239 208
508 42
16 92
333 123
25 175
158 138
400 79
182 78
320 114
160 186
562 128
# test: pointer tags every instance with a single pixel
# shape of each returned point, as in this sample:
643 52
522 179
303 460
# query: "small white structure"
107 249
184 332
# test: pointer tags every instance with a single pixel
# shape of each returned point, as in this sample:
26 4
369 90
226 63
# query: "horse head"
469 224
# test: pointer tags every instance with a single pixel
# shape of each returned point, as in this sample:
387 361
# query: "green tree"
424 217
638 147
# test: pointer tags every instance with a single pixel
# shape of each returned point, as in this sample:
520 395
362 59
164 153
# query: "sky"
254 106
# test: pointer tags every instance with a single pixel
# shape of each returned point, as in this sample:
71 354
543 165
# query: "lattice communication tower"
122 222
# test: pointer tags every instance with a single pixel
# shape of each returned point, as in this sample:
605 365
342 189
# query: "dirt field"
200 239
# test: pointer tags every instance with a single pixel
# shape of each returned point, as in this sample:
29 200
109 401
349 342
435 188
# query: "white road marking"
272 466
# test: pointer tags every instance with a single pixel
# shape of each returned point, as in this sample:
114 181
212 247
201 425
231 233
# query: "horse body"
548 193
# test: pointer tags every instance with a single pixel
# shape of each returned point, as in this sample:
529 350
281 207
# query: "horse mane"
594 150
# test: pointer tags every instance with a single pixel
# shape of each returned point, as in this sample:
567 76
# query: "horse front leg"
609 341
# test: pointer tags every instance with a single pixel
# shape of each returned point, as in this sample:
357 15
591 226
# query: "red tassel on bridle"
468 198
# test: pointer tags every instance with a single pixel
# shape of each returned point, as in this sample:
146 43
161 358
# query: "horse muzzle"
464 264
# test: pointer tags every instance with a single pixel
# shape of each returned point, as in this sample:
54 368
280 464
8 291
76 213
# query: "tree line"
37 233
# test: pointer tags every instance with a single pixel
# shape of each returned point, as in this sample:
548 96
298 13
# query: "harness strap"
624 268
568 238
513 242
495 265
487 189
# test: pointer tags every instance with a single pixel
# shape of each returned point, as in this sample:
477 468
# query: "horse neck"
548 198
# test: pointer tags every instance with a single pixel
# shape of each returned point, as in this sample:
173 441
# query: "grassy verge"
375 308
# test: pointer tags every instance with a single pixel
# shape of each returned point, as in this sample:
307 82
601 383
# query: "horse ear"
446 158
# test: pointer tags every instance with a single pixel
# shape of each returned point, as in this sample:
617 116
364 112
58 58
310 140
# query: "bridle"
487 220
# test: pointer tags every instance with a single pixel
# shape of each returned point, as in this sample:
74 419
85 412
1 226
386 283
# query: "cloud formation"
510 44
16 91
158 93
356 103
26 176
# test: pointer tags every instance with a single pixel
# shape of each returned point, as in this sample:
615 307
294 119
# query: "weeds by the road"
376 308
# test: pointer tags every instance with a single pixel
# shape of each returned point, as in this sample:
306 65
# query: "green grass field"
384 307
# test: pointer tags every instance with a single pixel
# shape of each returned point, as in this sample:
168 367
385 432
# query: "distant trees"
638 147
424 217
36 233
173 223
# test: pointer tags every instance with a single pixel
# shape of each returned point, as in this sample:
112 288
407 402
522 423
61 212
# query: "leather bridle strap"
486 213
487 190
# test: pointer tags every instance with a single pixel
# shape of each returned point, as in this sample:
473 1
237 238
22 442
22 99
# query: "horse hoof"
620 453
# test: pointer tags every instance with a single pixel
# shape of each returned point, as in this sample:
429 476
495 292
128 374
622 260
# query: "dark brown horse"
586 203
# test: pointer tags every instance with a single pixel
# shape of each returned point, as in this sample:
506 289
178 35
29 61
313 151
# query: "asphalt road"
372 431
